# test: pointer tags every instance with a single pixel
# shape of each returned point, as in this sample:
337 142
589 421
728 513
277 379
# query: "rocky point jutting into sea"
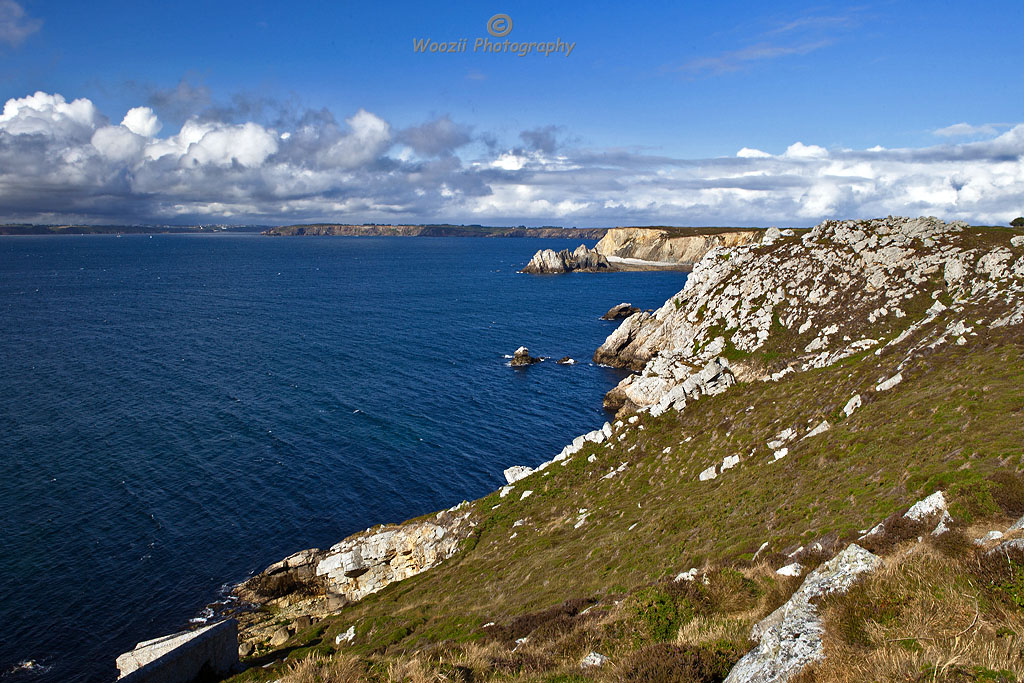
641 249
821 433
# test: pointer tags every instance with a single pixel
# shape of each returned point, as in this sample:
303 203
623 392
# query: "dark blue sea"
179 411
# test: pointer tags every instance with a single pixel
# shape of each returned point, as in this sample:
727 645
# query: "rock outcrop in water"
620 312
547 261
522 357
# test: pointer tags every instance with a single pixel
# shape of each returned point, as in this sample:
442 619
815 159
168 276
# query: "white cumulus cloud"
799 150
142 121
51 115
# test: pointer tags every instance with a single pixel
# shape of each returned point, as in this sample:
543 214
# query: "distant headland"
432 230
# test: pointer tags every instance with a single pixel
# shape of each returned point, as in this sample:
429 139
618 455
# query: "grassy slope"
955 419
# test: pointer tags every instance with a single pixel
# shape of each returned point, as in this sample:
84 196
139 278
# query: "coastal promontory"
814 472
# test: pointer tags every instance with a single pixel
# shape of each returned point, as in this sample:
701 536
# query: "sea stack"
549 261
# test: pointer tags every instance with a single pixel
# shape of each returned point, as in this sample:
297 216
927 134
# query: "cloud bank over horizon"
64 161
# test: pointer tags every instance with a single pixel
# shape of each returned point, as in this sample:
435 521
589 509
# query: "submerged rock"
566 360
547 261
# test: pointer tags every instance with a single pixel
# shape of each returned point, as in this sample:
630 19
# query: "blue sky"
642 122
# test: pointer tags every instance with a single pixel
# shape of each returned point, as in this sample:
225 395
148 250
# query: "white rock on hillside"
790 637
923 509
852 405
517 472
822 427
794 569
889 383
346 637
594 659
708 474
366 562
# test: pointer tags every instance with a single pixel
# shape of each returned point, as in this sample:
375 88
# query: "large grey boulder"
789 638
366 563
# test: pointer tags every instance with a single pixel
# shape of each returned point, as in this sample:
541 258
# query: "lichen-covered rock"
363 565
790 637
592 660
671 382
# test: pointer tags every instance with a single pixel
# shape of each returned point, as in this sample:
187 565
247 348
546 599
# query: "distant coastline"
431 230
73 229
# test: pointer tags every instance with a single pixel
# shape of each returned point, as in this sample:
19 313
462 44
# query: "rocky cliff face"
840 289
365 562
678 246
549 261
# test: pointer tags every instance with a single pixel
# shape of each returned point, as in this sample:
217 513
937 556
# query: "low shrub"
669 663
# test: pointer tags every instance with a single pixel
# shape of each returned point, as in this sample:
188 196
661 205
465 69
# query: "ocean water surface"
179 411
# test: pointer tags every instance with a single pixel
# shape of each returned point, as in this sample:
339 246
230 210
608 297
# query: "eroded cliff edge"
792 303
659 248
665 246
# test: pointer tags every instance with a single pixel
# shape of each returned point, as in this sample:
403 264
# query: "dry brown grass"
317 669
924 616
736 611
